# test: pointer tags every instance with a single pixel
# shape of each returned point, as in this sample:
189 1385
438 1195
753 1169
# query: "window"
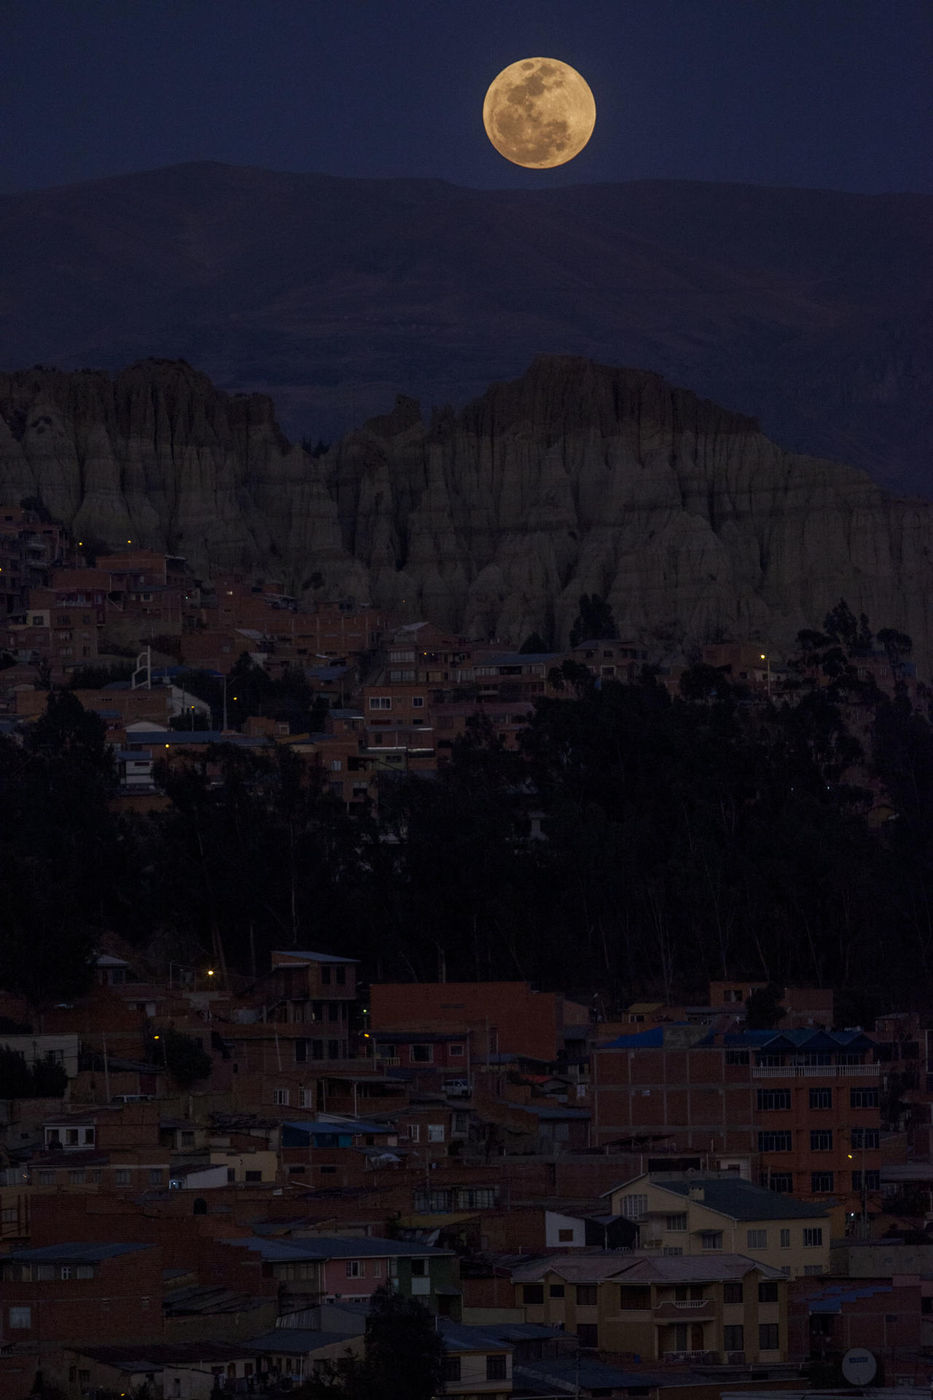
733 1337
46 1177
76 1177
417 702
821 1181
451 1368
634 1207
774 1142
455 1052
71 1137
779 1181
732 1291
863 1098
675 1222
634 1296
586 1295
495 1368
20 1317
435 1132
756 1239
122 1176
672 1251
65 1271
422 1054
810 1270
556 1290
711 1239
785 1239
872 1181
769 1099
155 1176
281 1097
89 1135
588 1334
821 1140
325 976
414 1132
865 1137
380 702
813 1236
768 1336
821 1098
252 1176
354 1268
533 1293
341 976
565 1236
768 1291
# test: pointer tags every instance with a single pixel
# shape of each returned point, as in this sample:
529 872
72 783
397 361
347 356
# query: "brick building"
803 1105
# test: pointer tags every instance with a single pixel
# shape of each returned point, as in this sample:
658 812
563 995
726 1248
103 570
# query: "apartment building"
692 1213
804 1104
678 1310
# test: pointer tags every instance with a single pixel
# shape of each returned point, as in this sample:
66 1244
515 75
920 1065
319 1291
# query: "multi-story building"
680 1213
728 1310
803 1103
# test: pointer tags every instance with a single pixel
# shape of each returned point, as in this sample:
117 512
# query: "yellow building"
681 1310
721 1213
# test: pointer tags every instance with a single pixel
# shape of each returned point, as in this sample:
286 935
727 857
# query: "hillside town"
207 1171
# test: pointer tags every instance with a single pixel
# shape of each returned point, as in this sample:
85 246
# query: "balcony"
689 1358
816 1071
694 1309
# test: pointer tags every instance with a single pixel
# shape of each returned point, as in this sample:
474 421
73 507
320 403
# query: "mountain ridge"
802 308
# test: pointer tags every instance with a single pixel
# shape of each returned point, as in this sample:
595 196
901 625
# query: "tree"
403 1356
404 1352
763 1010
183 1056
594 620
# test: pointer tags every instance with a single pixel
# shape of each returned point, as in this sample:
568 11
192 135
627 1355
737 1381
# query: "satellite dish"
859 1366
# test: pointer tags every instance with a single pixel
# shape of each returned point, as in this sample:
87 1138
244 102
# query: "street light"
763 656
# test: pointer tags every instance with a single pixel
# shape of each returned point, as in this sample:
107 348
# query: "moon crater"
539 112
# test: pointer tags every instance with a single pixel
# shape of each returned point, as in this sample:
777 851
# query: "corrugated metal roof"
739 1199
74 1252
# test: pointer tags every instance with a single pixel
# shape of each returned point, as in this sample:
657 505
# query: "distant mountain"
575 478
808 309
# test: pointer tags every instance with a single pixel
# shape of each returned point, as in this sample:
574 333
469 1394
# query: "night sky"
820 93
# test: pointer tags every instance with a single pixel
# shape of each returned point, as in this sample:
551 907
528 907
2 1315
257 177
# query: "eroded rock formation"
576 478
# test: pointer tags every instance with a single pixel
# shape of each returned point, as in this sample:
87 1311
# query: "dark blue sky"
819 93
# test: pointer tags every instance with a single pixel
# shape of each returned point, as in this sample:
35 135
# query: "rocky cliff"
575 478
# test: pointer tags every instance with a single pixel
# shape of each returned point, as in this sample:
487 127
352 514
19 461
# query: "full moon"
539 112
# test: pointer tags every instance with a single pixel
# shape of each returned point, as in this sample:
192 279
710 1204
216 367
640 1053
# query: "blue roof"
652 1039
332 1247
459 1336
830 1300
74 1252
298 1340
317 1125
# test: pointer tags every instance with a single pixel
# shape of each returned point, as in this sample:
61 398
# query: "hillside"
807 309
